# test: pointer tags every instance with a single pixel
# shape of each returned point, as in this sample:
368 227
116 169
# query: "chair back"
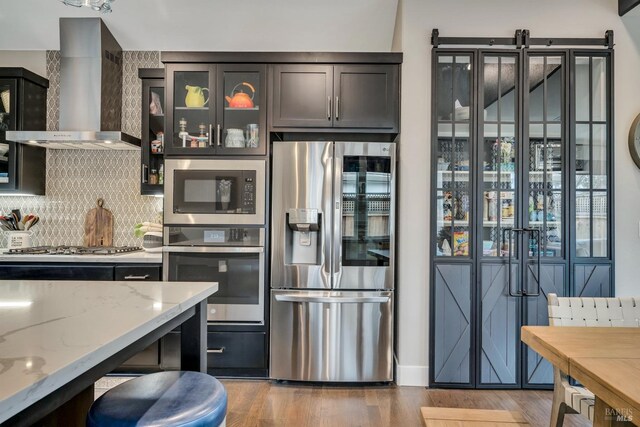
566 311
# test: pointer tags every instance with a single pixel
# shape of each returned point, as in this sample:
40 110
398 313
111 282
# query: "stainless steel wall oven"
234 257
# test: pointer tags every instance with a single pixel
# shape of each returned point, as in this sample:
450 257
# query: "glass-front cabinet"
216 109
152 133
521 142
23 98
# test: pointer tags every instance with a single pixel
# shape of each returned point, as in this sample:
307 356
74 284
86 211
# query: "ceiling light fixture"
103 6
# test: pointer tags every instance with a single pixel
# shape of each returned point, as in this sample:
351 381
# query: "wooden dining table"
604 360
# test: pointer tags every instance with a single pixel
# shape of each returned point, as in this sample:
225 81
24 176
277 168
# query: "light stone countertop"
141 257
53 331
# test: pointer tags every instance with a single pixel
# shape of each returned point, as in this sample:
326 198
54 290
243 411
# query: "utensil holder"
18 239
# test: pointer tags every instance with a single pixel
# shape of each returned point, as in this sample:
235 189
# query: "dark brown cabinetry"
216 109
23 106
152 132
354 96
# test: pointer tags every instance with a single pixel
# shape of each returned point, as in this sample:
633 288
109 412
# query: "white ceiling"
212 25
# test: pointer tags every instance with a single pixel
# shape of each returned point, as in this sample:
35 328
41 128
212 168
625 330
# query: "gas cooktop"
74 250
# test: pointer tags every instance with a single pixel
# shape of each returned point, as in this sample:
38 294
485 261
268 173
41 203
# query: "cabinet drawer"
56 272
236 350
137 272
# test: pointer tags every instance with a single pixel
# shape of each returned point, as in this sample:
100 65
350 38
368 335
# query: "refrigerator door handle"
297 297
337 219
327 215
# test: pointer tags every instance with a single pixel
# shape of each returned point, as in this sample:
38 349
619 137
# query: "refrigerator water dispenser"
302 236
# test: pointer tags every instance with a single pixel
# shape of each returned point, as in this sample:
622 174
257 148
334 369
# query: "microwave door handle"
213 249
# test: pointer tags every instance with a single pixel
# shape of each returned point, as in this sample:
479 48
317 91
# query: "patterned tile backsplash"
77 178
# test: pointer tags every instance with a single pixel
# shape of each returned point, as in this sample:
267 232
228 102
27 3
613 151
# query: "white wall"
32 60
545 18
241 25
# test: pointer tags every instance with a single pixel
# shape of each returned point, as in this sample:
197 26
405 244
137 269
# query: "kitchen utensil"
234 139
241 99
16 219
195 96
17 213
6 97
29 221
6 223
98 226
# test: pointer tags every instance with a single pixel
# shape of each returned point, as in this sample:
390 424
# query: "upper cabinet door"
241 102
191 116
366 96
302 96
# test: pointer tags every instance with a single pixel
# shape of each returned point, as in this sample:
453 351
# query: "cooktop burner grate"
74 250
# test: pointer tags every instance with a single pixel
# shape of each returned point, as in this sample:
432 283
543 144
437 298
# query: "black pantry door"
511 164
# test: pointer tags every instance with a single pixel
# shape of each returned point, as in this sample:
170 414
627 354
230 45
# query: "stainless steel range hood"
90 91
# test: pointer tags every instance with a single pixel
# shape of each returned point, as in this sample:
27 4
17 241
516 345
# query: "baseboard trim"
417 376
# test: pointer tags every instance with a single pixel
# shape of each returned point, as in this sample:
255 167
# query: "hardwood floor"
265 403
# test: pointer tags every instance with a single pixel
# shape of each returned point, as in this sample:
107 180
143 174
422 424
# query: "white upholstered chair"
585 312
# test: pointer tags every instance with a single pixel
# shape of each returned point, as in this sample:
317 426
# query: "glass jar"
153 177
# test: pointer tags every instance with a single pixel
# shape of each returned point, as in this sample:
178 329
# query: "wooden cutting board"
98 226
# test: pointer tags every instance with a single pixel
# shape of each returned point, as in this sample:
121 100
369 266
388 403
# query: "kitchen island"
58 337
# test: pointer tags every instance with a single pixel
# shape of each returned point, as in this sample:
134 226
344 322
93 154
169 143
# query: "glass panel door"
546 154
241 109
592 135
453 100
366 209
192 120
499 154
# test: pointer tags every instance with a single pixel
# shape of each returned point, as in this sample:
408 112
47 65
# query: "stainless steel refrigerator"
332 263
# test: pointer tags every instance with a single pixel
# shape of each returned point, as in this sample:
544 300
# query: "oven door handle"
213 249
332 299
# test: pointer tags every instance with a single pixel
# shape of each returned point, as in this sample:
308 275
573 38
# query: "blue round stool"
176 398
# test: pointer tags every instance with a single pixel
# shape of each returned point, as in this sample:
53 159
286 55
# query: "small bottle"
505 209
153 177
161 174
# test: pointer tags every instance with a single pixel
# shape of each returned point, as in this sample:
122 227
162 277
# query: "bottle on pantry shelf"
161 175
153 177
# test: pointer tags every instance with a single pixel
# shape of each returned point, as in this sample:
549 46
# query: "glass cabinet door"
498 153
7 122
191 122
241 109
8 105
453 103
153 138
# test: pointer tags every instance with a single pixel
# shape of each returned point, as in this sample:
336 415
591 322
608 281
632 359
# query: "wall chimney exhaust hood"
90 92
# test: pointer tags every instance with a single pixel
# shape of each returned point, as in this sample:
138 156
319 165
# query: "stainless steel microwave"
211 191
